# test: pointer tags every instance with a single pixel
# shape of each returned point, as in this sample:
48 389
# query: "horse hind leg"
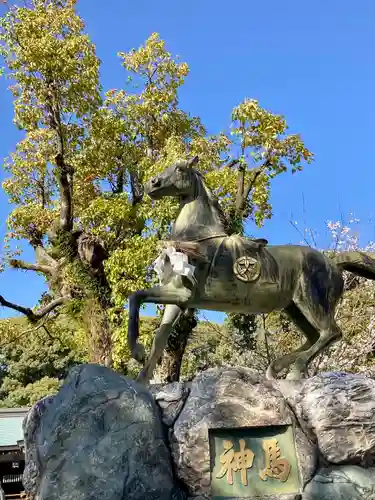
317 293
329 333
320 316
306 329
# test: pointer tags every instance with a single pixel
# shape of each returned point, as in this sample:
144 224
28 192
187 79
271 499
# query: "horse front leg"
170 317
164 294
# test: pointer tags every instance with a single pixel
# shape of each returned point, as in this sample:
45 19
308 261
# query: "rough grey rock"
228 398
339 409
342 483
99 437
31 426
171 399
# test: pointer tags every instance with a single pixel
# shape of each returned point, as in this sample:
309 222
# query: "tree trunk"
98 333
170 367
172 360
85 256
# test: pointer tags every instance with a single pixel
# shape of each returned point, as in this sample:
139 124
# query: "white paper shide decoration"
170 262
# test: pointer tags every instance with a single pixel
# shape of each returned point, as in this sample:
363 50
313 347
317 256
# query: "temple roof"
11 426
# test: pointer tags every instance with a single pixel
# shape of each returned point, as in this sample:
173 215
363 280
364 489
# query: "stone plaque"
257 462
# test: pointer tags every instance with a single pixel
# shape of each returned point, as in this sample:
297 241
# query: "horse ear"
193 161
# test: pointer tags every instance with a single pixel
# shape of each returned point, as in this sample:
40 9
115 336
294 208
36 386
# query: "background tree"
54 70
356 312
77 176
34 361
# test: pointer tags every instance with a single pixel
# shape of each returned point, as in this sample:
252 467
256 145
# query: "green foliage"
18 396
203 349
55 73
253 341
34 361
265 150
244 326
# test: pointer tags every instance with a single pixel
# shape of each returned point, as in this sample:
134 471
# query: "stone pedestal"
235 399
228 433
332 416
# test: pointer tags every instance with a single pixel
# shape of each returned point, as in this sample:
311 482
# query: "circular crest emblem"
246 269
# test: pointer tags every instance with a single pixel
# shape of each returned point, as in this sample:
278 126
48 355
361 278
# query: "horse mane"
212 198
190 248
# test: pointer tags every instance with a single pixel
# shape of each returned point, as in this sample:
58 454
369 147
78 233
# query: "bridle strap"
222 235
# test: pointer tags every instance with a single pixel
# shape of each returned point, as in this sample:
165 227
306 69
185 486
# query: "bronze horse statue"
237 274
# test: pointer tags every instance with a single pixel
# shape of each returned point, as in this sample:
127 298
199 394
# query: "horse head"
176 180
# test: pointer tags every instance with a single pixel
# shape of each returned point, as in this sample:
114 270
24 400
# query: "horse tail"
357 263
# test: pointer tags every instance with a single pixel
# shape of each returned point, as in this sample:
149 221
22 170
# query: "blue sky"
311 61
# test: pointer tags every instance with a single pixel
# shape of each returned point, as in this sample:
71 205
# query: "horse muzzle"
154 188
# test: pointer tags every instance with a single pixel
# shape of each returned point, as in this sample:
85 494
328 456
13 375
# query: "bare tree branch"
37 315
136 188
66 192
65 171
39 268
299 232
42 256
232 163
245 188
256 173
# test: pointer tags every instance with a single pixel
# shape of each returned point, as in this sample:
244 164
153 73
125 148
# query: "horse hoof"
139 353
